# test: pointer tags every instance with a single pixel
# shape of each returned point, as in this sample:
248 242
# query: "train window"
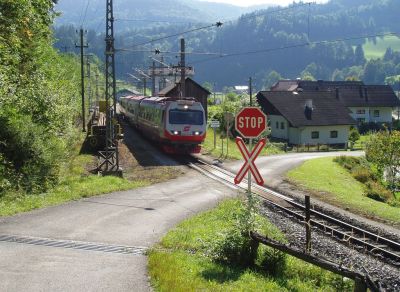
186 117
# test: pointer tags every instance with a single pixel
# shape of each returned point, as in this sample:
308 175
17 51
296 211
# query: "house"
126 92
192 89
306 117
367 103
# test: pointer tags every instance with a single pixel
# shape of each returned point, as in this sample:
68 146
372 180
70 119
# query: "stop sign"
250 122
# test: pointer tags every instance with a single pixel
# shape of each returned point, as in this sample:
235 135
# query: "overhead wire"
217 24
84 17
305 44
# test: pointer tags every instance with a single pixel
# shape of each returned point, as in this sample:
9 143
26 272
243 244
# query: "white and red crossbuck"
249 159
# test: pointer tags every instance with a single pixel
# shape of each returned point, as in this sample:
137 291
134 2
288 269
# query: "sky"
246 3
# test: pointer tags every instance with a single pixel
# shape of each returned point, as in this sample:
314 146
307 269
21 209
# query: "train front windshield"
187 117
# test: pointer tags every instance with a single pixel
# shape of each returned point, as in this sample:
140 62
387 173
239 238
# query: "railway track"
346 233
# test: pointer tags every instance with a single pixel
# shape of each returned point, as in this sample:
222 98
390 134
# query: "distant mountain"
323 41
144 13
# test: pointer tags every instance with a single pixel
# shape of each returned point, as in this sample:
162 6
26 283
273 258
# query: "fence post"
360 285
308 226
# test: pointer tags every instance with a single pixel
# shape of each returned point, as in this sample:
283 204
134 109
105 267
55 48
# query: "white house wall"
385 114
279 132
324 135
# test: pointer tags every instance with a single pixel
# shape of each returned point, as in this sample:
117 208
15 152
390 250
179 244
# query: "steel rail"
345 232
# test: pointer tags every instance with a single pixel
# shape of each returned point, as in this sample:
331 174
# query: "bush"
273 262
362 174
235 247
30 155
377 192
364 128
348 162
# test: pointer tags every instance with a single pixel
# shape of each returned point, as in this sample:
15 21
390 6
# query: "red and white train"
178 125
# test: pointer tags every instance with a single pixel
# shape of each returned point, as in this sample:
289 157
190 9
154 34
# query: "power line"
156 51
84 18
217 24
305 44
152 21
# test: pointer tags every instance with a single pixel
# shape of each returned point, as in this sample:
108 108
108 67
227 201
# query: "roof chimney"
308 109
366 94
361 92
309 104
337 92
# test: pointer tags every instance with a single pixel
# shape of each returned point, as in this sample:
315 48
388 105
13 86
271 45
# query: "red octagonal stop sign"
250 122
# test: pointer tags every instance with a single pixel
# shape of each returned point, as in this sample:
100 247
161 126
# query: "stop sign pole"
250 122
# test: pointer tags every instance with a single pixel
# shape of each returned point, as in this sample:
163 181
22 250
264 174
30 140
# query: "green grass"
76 184
332 183
374 51
233 151
180 261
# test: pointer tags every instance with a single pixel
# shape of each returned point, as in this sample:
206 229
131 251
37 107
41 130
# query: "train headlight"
186 107
197 133
176 132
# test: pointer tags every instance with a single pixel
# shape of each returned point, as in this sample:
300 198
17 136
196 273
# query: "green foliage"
30 151
39 98
377 192
354 135
361 170
234 245
334 184
182 263
383 150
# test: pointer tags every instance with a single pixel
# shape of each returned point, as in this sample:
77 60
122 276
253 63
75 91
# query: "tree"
359 55
354 136
383 150
271 79
208 85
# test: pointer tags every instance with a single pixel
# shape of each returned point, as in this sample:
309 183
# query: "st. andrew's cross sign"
250 122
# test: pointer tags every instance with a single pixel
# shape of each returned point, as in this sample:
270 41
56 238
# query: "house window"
334 134
376 113
282 125
277 125
360 112
314 135
360 120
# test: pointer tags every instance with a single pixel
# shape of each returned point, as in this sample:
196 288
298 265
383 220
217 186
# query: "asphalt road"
136 218
273 168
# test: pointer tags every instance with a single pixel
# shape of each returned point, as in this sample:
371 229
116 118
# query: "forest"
311 41
39 98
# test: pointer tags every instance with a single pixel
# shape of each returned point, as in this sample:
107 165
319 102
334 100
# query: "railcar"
177 125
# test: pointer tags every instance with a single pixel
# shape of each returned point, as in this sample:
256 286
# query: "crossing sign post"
250 122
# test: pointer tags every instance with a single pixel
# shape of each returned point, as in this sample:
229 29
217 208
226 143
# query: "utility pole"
183 68
97 91
109 159
153 79
251 90
82 46
89 85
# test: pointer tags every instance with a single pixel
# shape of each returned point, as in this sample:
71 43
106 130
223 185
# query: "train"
177 125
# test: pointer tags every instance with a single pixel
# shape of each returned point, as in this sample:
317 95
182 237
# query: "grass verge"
233 151
76 183
181 261
331 183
